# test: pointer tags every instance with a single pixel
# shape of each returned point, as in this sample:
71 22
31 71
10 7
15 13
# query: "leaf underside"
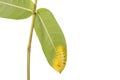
16 9
51 38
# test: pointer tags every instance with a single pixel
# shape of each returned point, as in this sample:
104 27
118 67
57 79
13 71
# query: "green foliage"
47 29
16 9
51 38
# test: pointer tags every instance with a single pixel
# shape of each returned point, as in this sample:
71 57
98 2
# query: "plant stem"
30 41
29 50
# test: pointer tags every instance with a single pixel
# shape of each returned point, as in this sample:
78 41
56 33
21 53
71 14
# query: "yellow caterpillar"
60 59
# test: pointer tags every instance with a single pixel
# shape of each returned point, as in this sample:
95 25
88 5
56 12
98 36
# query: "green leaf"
16 9
51 38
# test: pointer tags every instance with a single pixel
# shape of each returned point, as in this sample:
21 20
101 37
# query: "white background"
92 31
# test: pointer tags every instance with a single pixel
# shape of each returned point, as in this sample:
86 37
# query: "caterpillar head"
60 59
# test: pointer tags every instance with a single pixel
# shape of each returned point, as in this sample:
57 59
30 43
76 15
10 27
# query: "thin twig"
30 41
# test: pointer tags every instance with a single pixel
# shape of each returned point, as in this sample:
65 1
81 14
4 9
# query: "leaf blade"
16 9
51 38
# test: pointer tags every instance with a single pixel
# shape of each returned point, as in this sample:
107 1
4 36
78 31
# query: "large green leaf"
16 9
51 38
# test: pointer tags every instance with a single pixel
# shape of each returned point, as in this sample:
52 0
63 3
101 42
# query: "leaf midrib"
47 32
13 5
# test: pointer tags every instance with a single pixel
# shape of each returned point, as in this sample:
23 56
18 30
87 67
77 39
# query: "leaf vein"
13 5
47 32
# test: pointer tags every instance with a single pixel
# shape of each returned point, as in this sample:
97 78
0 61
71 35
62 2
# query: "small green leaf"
16 9
51 38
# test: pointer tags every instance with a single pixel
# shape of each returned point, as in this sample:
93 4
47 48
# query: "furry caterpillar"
60 59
